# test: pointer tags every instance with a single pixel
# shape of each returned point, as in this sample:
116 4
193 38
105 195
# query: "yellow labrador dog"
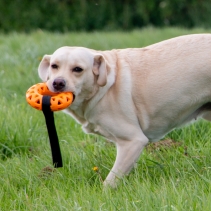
134 96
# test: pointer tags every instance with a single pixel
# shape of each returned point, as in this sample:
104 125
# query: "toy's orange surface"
59 101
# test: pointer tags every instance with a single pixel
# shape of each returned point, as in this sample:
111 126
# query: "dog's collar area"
53 137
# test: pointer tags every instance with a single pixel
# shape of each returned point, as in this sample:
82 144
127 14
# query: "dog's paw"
110 183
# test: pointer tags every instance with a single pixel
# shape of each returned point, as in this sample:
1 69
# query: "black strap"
54 141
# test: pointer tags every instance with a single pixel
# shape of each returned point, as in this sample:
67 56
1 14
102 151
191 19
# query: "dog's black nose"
59 84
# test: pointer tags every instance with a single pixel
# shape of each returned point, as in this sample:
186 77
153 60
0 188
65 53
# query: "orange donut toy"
58 101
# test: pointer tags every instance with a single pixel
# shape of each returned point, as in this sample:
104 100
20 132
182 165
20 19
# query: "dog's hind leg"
207 116
206 111
127 154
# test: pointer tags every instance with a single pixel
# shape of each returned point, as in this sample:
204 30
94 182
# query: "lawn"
173 175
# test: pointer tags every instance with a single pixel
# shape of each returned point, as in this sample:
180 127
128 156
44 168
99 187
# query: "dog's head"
74 69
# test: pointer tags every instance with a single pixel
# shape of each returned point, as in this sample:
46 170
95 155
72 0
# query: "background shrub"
89 15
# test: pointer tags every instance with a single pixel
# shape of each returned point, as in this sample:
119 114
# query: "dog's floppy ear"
100 68
43 67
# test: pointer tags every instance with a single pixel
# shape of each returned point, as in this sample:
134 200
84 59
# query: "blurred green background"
107 15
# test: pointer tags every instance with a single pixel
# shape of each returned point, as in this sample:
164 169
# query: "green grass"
168 179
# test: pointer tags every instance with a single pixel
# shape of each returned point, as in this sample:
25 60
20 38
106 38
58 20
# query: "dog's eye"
54 66
77 69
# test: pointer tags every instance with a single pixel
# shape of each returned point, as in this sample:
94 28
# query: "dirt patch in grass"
164 144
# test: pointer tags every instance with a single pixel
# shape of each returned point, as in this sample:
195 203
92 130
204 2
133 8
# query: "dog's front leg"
127 154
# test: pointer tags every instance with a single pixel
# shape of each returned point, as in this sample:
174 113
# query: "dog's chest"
95 129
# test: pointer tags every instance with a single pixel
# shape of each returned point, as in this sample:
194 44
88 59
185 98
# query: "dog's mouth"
52 89
73 97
